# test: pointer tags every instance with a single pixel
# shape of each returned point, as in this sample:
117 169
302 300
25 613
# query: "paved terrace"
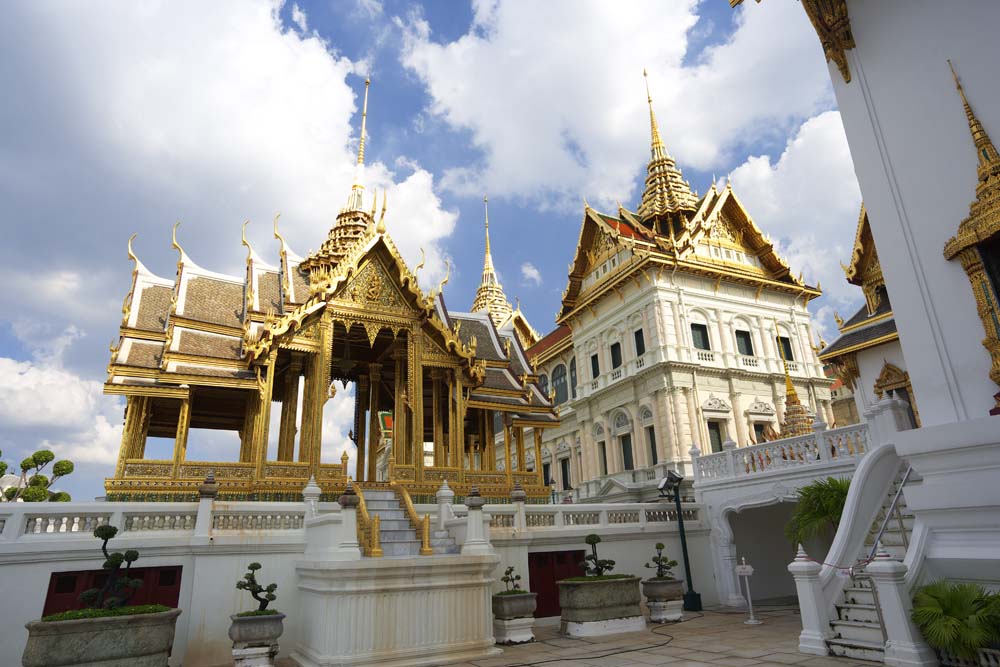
711 638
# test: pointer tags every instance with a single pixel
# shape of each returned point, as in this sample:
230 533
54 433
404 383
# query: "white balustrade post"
694 452
517 496
446 501
812 605
904 647
892 416
207 493
729 447
348 548
310 496
819 427
475 532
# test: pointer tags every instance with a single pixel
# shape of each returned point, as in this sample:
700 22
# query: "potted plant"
817 511
663 592
108 630
599 603
513 611
255 633
960 621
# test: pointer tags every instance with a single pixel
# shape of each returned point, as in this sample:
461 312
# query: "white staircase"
398 536
858 631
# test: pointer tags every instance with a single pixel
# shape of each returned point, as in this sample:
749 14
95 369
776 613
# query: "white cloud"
808 201
299 18
561 114
530 274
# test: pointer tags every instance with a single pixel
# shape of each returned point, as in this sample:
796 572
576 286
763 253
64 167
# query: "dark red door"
160 585
544 570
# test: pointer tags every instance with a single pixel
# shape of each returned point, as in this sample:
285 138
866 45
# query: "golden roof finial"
364 118
489 295
243 240
177 246
420 264
654 128
488 260
374 201
985 151
381 219
131 255
354 202
277 234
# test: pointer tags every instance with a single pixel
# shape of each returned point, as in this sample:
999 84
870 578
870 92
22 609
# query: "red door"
160 585
544 570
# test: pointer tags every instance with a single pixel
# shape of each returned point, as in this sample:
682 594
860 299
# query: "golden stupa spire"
986 152
666 191
355 200
490 297
797 418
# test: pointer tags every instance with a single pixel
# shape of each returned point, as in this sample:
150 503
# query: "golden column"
133 433
538 456
262 415
490 449
453 442
521 467
317 387
375 377
180 438
362 390
289 412
416 372
399 407
506 447
437 424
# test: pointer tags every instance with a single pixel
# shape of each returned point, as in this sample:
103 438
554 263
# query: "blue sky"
125 120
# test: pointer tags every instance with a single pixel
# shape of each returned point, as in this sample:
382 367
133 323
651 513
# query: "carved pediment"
715 404
759 407
373 288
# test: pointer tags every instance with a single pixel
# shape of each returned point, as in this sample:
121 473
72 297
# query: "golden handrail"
422 526
368 529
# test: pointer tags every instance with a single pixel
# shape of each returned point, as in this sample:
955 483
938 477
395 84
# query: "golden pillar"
454 444
538 457
399 407
246 432
133 432
986 305
362 391
521 467
416 372
490 450
506 447
315 395
289 412
181 435
438 423
460 439
375 377
262 416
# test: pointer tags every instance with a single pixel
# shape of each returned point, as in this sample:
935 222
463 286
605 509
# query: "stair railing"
857 577
420 525
369 528
891 512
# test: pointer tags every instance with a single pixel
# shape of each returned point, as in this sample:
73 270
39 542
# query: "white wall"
870 364
916 164
759 536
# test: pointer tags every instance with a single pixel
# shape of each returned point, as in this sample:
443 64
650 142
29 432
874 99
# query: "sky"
127 117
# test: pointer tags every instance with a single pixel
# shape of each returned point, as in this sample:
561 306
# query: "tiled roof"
859 317
269 292
208 345
860 336
214 301
154 304
143 355
549 340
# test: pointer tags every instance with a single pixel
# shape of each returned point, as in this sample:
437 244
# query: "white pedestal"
666 612
598 628
255 656
514 630
391 612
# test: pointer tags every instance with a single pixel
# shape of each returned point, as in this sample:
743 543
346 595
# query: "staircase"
857 631
398 535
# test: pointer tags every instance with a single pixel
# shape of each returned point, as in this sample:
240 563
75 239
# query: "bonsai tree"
957 618
33 486
118 587
262 594
592 565
662 564
510 580
820 505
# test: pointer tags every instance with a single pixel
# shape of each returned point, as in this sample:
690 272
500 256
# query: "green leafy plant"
957 618
76 614
119 587
662 564
262 594
33 487
510 581
820 505
592 565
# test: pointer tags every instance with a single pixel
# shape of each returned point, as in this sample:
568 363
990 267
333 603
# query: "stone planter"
664 599
594 606
142 640
513 618
255 639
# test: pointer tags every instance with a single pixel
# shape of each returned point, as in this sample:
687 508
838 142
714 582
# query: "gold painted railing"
369 536
422 526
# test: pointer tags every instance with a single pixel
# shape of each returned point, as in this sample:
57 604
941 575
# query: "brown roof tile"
209 345
269 286
154 305
214 301
144 355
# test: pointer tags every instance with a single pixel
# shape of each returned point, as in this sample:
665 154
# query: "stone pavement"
703 640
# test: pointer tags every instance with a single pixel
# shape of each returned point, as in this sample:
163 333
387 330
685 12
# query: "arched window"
559 384
572 377
621 422
543 382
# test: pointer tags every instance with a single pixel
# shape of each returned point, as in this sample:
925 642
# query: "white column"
476 538
904 646
812 605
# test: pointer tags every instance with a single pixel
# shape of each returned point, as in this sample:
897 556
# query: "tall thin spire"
986 152
666 190
355 202
490 297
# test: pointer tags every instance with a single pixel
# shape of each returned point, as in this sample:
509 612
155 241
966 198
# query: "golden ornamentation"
982 224
490 297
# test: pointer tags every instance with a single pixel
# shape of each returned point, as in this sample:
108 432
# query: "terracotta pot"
506 607
141 640
663 591
256 630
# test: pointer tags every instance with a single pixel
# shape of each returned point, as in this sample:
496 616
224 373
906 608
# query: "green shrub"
75 614
510 580
33 486
957 618
263 595
119 587
259 612
592 565
662 564
820 505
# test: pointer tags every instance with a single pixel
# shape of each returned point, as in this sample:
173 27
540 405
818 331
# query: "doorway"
544 570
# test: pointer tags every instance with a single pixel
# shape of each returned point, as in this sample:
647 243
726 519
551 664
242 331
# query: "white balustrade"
705 355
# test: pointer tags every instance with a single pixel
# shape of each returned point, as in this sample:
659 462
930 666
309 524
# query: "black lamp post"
672 482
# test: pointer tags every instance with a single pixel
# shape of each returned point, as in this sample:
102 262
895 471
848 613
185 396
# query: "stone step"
858 630
857 650
401 548
857 612
382 504
372 494
397 535
395 524
859 595
388 514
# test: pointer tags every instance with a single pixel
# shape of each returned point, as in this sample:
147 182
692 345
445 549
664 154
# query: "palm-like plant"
957 618
819 506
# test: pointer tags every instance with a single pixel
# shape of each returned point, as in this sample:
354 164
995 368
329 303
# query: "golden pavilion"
433 389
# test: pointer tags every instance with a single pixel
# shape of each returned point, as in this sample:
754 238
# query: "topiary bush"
119 587
262 594
592 565
510 581
662 564
33 486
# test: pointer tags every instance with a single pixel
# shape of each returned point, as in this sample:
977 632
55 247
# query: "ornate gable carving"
373 288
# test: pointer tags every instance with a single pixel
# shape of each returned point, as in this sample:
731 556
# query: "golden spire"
666 192
490 297
355 200
989 159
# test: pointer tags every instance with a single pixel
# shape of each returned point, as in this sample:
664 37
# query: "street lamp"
672 482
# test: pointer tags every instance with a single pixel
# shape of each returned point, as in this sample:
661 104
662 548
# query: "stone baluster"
732 463
207 493
819 428
904 645
812 603
476 542
694 452
310 495
349 549
445 502
518 496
